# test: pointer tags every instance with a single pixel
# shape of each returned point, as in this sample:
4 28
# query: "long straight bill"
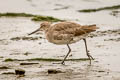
34 31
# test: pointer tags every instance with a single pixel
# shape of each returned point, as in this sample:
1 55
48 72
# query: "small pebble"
53 71
20 72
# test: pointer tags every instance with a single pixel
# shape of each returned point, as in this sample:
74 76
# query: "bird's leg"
87 52
66 55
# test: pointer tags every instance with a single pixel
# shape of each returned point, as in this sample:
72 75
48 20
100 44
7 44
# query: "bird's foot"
63 63
89 56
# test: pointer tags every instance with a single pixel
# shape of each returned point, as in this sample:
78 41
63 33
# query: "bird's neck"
46 29
48 35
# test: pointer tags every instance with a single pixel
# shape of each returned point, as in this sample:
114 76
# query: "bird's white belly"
68 41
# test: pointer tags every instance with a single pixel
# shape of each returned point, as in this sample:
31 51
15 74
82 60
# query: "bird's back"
68 32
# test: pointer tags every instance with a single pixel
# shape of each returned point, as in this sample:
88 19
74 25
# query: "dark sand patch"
100 9
112 39
45 59
34 17
104 33
25 38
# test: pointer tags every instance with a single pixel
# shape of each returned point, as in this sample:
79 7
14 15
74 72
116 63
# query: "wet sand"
15 44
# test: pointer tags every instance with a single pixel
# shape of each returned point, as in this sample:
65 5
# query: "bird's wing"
62 36
63 30
69 30
64 26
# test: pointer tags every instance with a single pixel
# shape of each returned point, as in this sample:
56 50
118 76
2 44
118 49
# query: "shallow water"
104 48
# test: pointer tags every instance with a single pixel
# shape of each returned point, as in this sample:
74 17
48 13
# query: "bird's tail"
90 28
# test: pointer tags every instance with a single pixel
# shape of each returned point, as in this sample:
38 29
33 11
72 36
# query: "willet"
66 33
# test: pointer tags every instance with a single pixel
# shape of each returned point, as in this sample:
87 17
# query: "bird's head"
43 27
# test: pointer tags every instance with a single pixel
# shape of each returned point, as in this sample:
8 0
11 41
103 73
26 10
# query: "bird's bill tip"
34 32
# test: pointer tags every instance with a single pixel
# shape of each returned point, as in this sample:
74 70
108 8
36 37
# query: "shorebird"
66 33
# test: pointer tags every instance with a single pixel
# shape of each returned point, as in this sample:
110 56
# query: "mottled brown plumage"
66 33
